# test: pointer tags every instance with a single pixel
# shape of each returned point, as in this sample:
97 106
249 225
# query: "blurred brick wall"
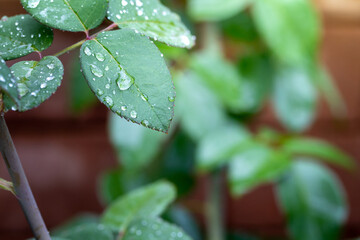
63 154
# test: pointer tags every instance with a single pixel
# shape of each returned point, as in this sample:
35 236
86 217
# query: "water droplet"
2 79
43 85
124 81
51 66
100 57
171 99
23 89
144 97
145 123
33 3
133 114
109 101
100 92
185 40
123 108
96 71
87 51
107 86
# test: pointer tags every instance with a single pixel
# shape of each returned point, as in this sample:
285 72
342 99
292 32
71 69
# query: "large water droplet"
145 123
133 114
124 81
96 71
109 101
43 85
100 57
23 89
87 51
33 3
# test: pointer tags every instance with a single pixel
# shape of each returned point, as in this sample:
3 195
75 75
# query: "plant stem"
215 207
21 184
78 44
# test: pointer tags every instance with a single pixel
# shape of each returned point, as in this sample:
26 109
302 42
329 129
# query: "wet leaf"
154 229
68 15
37 81
89 231
128 74
21 35
8 86
148 201
152 19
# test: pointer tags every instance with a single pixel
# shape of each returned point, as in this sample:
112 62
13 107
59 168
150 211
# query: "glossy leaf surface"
8 87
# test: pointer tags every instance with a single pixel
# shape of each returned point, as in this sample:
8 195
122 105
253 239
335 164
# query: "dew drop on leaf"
171 99
96 71
33 3
100 57
145 123
133 114
109 101
124 81
87 51
23 89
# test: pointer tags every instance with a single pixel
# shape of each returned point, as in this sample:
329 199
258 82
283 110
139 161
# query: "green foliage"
152 19
319 149
149 201
255 164
8 86
294 98
136 146
89 231
214 10
290 28
217 147
21 35
37 81
313 201
153 229
68 15
119 67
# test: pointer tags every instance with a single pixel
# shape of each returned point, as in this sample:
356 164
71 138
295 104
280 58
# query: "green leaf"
313 201
6 185
220 145
241 27
37 81
82 98
290 28
21 35
149 201
152 19
295 98
74 223
8 87
118 182
318 148
153 229
255 165
128 74
90 231
215 10
221 77
68 15
198 108
256 81
136 146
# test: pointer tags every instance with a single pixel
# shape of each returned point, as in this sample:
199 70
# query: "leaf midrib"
137 88
76 14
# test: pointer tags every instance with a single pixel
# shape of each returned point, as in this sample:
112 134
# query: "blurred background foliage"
249 54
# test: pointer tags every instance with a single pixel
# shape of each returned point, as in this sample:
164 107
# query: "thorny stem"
78 44
21 184
215 207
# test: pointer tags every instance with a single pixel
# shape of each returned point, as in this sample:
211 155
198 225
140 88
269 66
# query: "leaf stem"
78 44
21 184
215 207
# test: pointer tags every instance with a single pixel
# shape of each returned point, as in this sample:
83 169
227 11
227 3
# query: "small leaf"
128 74
295 98
21 35
8 87
256 164
290 28
313 201
221 77
74 223
153 229
215 10
89 231
149 201
152 19
37 81
220 145
318 148
136 146
197 107
8 186
68 15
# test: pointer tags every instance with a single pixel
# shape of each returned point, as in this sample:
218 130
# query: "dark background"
63 154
